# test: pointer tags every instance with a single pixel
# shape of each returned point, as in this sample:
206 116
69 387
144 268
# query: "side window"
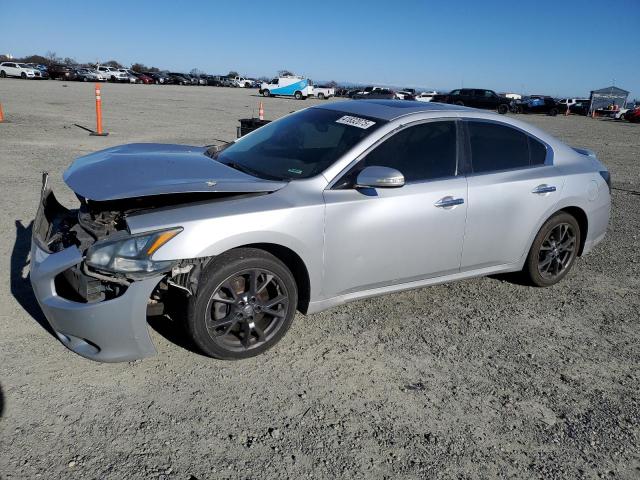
423 152
455 92
537 152
500 147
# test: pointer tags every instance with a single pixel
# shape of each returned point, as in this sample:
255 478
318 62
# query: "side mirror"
379 177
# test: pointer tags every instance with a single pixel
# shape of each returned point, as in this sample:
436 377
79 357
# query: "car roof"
389 109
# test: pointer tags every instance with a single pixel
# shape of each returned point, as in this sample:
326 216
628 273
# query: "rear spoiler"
586 152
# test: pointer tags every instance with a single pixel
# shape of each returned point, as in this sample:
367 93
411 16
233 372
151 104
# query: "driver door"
385 236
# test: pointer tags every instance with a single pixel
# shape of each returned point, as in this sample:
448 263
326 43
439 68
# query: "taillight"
607 178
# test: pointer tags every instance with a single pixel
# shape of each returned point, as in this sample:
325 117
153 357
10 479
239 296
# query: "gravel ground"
478 379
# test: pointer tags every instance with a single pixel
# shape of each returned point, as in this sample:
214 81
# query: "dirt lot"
479 379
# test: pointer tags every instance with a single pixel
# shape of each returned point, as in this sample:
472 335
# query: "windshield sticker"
355 121
295 170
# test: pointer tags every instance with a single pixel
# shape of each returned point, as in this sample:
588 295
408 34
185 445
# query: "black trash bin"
248 125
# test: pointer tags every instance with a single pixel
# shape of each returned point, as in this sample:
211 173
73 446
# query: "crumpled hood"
144 169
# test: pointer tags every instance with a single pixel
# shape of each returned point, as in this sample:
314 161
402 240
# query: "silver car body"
352 245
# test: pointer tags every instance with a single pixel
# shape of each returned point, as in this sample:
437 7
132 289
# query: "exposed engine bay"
57 228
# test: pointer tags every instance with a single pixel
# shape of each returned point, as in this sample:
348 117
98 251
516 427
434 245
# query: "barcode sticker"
355 121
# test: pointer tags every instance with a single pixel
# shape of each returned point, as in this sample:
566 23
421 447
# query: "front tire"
554 250
23 76
245 304
3 74
298 95
266 93
502 109
460 103
321 96
553 112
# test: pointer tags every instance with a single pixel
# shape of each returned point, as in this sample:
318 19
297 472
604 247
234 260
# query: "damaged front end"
95 282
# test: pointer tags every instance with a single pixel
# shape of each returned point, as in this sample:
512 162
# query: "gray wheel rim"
557 251
247 310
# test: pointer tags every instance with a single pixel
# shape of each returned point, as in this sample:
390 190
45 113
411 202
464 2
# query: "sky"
559 47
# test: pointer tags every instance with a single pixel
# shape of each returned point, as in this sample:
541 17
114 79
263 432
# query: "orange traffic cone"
261 112
1 114
98 132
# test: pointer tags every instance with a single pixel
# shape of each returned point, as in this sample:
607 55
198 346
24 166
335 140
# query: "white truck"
242 82
112 74
324 92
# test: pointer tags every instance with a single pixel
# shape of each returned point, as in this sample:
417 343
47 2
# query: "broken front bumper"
113 330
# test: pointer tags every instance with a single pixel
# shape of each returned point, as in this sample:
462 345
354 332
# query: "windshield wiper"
254 173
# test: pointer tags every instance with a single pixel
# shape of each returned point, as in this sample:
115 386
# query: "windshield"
300 145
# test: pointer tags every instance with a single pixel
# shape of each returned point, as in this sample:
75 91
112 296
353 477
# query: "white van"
289 86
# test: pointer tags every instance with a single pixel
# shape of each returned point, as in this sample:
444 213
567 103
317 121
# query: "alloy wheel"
247 309
557 251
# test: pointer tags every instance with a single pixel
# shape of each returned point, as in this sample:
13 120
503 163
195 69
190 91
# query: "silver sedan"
327 205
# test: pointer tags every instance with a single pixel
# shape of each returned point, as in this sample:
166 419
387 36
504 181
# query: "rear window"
497 147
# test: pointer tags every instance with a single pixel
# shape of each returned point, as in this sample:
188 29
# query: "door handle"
448 202
544 188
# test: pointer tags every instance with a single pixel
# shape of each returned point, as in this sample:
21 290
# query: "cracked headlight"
131 254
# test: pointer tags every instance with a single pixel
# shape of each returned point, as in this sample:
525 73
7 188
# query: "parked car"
112 74
633 116
365 91
19 70
475 97
252 231
144 78
44 74
288 86
378 93
323 92
131 75
227 82
159 77
536 104
193 80
406 95
213 80
58 71
426 96
87 75
179 78
620 113
580 107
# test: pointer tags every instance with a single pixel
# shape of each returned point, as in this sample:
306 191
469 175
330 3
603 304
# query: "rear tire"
266 93
321 96
459 103
554 250
245 304
502 109
553 112
298 95
3 74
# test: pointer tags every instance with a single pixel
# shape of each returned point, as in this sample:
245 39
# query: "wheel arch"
583 222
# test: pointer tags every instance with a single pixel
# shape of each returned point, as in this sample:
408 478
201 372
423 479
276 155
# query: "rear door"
513 186
11 70
385 236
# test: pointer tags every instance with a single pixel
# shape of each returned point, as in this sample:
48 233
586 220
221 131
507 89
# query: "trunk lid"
139 170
